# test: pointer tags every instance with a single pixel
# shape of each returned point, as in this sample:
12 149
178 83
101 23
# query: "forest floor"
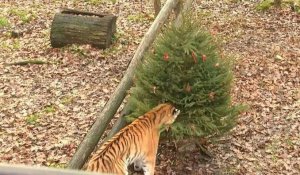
46 109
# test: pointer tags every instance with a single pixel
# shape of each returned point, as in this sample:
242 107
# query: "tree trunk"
180 10
93 136
72 26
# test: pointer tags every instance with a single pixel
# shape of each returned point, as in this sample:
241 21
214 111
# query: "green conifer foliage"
185 69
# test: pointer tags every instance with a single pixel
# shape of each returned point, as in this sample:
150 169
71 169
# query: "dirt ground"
46 109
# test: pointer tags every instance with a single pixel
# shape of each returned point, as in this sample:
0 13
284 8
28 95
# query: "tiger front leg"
149 166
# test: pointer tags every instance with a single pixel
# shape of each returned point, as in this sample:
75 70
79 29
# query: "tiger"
136 143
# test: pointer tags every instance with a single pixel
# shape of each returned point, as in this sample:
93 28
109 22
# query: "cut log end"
77 27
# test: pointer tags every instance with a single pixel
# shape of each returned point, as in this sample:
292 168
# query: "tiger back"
136 143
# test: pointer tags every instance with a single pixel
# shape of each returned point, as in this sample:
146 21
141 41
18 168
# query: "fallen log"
79 27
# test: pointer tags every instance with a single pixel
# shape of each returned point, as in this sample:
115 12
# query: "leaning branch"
93 136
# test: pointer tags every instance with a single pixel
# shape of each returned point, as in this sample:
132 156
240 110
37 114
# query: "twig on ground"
22 63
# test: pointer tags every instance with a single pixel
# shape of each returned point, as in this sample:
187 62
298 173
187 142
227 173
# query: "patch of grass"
95 2
49 109
294 4
46 33
4 22
289 142
115 37
67 100
135 18
16 44
272 149
204 14
32 119
234 1
264 5
57 165
257 166
139 17
278 58
230 171
77 50
110 51
25 16
5 46
11 45
267 4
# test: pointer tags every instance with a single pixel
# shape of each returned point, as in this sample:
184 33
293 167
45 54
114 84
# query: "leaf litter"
45 110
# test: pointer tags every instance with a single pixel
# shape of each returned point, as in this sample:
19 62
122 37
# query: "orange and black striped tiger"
136 143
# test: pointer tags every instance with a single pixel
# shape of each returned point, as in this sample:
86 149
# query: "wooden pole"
120 123
93 136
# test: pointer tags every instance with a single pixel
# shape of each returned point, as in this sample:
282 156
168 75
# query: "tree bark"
72 26
180 10
92 137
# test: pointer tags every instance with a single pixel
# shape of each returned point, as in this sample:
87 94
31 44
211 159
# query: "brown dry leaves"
45 110
267 47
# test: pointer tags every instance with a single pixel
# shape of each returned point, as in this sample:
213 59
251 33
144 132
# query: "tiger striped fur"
136 143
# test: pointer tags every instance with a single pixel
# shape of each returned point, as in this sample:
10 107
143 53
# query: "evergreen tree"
185 69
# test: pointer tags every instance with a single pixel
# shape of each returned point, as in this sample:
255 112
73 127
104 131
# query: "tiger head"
165 114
